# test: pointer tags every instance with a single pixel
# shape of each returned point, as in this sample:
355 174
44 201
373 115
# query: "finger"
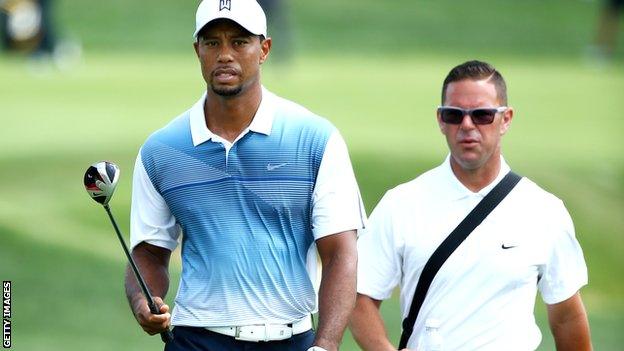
161 305
143 312
159 318
155 327
158 300
148 320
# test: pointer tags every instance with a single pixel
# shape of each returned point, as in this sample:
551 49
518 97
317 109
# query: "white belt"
265 332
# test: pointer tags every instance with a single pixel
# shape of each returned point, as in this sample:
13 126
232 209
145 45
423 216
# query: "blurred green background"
374 68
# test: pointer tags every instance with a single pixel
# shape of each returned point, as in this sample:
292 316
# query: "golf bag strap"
448 246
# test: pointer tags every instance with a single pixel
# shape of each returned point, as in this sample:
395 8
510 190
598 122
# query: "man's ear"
196 47
440 123
265 47
506 121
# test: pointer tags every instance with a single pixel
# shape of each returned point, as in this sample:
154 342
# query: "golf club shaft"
166 335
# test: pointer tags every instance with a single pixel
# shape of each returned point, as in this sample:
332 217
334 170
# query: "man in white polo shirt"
483 296
253 184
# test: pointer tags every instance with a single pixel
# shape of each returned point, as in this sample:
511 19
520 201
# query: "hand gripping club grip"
166 335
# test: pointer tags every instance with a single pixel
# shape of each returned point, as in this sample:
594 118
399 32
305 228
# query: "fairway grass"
58 248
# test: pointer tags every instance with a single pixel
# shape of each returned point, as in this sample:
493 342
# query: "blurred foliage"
537 28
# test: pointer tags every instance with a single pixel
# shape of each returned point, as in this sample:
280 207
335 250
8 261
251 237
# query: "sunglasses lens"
483 115
451 115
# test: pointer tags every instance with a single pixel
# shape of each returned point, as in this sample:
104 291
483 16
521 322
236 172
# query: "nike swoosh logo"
507 247
271 167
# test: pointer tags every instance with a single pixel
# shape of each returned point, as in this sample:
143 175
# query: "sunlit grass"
58 248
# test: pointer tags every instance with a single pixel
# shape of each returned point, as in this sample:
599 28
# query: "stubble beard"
227 92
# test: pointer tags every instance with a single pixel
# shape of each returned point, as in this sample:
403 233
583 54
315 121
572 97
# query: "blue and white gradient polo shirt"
249 211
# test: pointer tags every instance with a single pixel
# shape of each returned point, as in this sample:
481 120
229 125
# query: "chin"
469 163
227 91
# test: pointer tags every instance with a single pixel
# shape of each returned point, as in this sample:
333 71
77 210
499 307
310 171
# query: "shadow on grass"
67 300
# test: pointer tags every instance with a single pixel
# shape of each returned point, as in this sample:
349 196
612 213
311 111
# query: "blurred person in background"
608 27
27 26
483 296
257 184
279 26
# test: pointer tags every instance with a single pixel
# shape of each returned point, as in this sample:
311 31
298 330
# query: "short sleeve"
150 218
337 204
379 254
565 271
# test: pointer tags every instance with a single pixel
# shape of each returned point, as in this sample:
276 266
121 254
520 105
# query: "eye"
210 42
483 115
239 42
451 115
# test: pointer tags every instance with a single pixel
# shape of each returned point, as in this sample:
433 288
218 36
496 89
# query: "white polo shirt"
484 294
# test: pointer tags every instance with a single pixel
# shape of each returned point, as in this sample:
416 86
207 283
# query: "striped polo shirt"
249 211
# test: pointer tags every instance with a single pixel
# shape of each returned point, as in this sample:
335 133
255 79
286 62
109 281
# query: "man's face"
230 57
474 146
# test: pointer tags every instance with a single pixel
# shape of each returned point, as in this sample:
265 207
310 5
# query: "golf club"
100 181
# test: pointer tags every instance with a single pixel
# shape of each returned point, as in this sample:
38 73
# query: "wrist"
322 343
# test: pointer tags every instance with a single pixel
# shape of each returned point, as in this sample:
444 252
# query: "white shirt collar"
457 190
262 121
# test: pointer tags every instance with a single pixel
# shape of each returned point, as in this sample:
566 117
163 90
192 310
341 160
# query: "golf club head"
100 181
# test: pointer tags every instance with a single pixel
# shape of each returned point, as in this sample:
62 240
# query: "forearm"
153 267
336 299
367 326
569 325
572 335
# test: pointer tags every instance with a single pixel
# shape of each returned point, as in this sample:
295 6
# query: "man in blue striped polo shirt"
256 185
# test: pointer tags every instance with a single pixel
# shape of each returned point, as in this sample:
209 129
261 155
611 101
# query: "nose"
225 54
467 123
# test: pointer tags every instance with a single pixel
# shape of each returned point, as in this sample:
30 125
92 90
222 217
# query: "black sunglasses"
481 115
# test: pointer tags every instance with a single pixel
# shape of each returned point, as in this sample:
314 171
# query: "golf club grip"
166 336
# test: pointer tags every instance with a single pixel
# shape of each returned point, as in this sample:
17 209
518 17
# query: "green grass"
374 69
61 253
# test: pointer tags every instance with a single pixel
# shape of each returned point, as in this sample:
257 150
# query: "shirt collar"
262 121
457 190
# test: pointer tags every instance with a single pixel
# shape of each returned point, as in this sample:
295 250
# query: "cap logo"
225 5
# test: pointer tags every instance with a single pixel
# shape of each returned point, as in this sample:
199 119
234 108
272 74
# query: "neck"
228 116
477 178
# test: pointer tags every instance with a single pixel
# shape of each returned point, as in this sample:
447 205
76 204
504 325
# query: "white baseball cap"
246 13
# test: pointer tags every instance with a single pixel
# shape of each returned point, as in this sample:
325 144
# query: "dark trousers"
200 339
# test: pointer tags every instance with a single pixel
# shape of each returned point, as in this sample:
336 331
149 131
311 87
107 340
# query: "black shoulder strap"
448 246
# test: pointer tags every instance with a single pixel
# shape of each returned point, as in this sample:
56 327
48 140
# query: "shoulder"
176 130
176 134
292 114
545 208
531 192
